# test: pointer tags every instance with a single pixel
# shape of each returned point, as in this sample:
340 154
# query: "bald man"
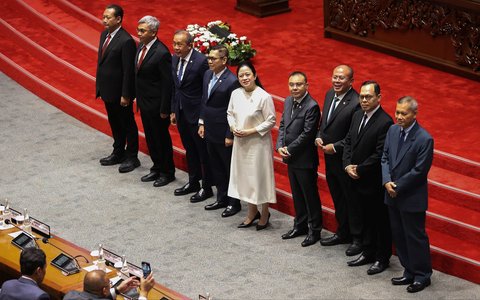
96 285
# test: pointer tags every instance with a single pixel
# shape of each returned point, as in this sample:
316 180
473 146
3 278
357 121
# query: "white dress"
251 171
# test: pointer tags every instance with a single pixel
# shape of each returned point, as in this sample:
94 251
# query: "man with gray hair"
153 83
188 68
406 160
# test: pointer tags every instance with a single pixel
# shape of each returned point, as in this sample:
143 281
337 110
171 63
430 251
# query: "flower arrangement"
218 32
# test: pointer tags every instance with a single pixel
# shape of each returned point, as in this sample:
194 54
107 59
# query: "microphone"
34 238
46 241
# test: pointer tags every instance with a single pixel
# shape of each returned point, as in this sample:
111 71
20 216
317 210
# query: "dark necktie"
401 141
180 71
142 56
332 108
295 106
364 121
107 41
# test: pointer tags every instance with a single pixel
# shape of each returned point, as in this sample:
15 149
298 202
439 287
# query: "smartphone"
146 269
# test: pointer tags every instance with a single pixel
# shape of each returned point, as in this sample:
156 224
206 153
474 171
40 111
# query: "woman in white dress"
251 116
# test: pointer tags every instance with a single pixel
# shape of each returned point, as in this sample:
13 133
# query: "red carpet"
50 48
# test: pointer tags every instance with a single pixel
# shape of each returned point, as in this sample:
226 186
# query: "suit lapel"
218 83
406 145
302 106
149 54
111 45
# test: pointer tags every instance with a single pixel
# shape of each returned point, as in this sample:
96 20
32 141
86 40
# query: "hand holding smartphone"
146 269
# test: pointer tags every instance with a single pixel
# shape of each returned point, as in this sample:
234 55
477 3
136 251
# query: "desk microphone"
46 241
34 238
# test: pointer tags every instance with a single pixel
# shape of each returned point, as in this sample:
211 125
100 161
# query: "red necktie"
142 56
106 44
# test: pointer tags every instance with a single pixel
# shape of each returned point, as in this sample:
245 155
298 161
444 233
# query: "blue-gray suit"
409 170
22 289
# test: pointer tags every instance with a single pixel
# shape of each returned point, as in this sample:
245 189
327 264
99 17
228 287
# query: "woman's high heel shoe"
261 227
246 225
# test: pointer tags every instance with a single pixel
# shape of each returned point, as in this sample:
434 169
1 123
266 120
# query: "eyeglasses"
214 58
367 97
296 84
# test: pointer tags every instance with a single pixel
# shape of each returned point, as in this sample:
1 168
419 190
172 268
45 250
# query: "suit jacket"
365 148
336 129
21 289
298 131
153 79
115 70
214 108
410 169
77 295
189 91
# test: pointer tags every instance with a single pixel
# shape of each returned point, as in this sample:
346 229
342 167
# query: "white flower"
232 36
243 38
233 44
202 29
206 44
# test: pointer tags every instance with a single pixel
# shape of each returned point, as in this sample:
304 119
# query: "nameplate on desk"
37 226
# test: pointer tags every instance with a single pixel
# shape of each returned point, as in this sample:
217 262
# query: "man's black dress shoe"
163 180
111 160
262 227
354 249
401 280
377 267
333 240
201 195
215 205
129 164
246 225
311 239
360 261
230 211
150 176
293 233
187 189
418 286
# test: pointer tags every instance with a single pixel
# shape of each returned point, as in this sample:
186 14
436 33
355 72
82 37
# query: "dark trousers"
411 242
337 181
369 221
124 129
196 152
308 209
219 158
159 142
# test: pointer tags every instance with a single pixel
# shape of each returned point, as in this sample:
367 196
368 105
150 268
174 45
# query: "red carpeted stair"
50 47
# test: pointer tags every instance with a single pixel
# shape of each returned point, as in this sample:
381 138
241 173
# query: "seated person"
33 266
96 285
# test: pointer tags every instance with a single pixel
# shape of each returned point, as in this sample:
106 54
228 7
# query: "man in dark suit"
153 64
218 84
96 285
362 152
406 160
295 143
33 266
188 68
116 87
341 102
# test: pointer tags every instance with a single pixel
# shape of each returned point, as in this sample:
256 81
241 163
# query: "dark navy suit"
22 289
214 116
409 170
186 104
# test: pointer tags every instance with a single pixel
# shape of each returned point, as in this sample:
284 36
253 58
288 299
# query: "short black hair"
298 73
30 259
118 10
376 86
222 50
250 65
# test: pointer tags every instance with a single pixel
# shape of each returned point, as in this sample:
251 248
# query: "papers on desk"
5 227
15 234
94 267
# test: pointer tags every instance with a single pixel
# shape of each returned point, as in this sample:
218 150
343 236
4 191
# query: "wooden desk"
55 283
